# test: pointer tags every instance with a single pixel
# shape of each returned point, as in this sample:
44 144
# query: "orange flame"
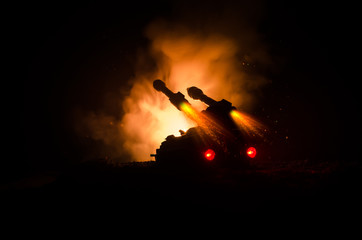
208 126
247 123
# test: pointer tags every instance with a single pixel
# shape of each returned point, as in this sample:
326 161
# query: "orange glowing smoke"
183 59
149 119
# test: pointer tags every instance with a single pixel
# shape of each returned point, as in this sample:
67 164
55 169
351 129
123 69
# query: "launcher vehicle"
216 140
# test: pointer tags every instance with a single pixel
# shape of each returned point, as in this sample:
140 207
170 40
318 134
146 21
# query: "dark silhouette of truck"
215 141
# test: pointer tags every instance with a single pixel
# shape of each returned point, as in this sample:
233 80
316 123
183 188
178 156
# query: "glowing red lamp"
209 154
251 152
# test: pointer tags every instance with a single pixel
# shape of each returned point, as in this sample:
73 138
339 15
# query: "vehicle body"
216 141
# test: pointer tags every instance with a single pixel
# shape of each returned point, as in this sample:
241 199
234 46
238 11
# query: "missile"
175 98
197 94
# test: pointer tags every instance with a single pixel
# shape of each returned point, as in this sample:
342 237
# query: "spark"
247 123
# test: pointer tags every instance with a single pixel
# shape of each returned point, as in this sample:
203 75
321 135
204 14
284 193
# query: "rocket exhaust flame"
201 120
191 113
248 124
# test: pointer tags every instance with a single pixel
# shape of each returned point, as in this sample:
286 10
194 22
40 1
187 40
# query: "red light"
209 154
251 152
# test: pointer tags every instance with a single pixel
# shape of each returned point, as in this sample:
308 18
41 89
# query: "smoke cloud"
221 59
184 58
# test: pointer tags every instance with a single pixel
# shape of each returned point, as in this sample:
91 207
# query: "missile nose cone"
195 93
158 85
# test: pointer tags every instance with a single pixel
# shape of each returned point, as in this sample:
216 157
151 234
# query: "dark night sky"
82 55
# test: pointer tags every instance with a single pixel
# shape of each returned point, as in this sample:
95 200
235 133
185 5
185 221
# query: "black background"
81 55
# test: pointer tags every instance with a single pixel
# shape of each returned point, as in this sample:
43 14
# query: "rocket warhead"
175 98
197 94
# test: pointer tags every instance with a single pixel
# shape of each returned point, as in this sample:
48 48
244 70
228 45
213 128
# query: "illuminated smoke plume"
219 53
184 57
